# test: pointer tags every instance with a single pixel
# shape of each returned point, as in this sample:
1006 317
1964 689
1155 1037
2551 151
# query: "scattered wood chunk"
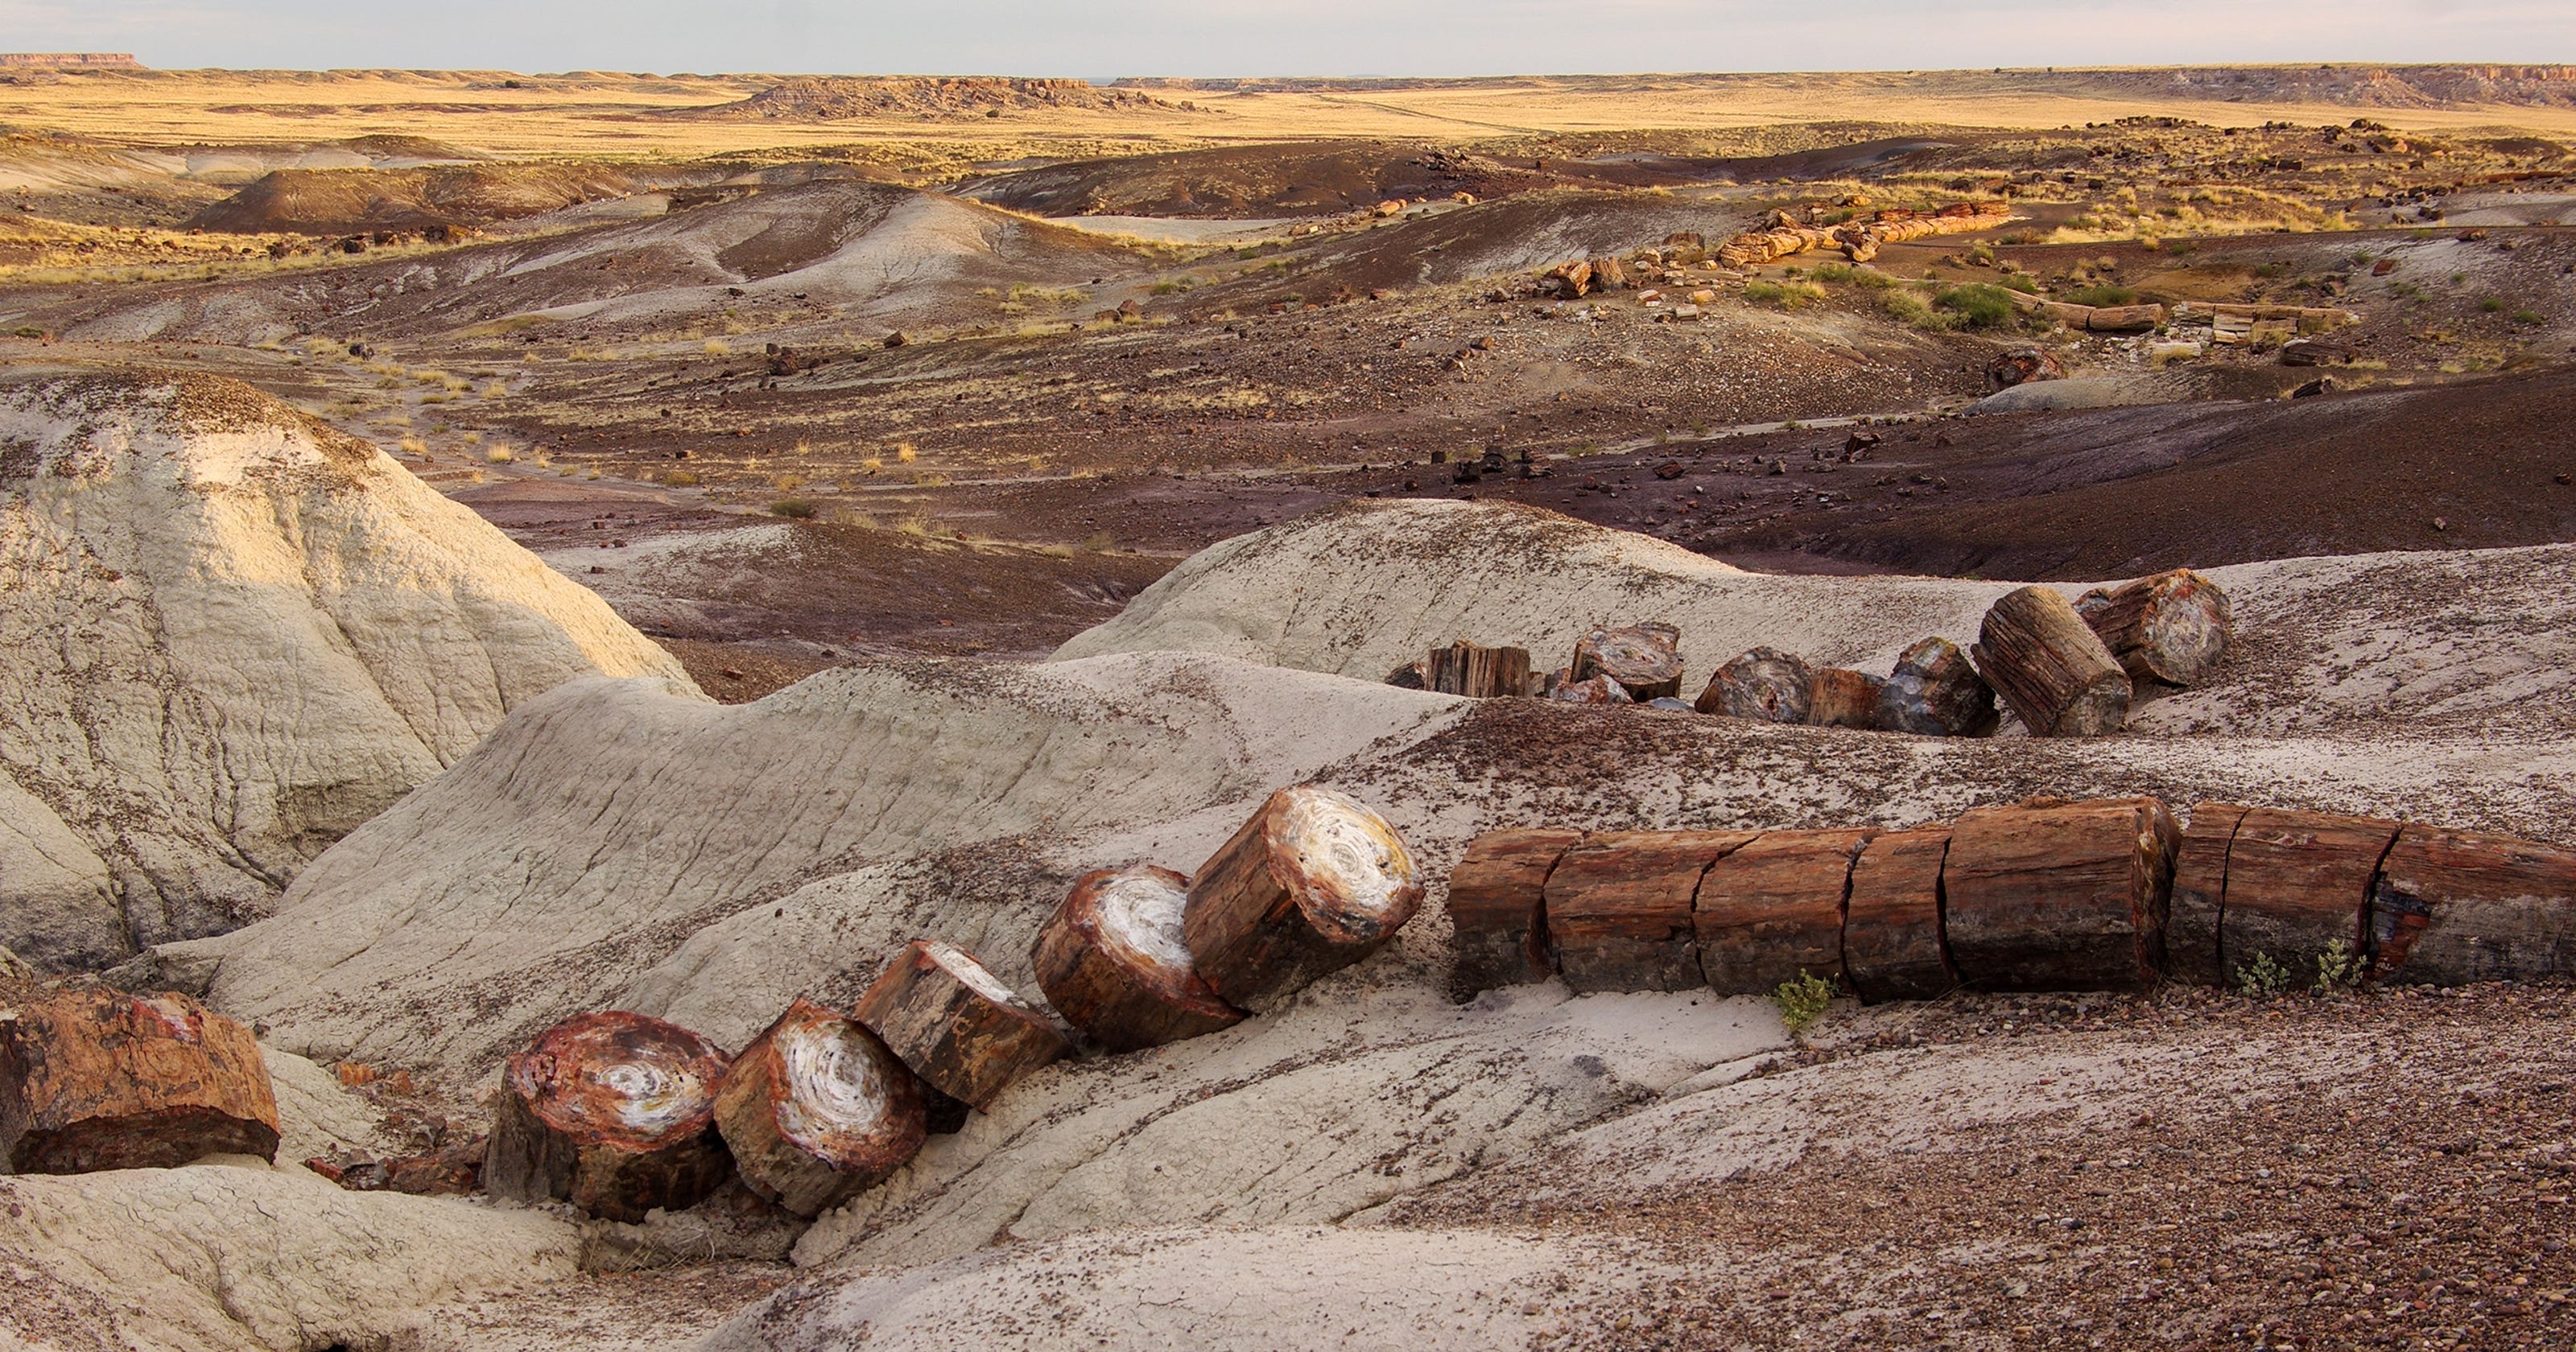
2172 627
613 1112
1464 668
816 1110
2297 882
454 1169
2192 920
101 1079
1410 676
1498 907
1764 684
955 1024
2452 907
1115 961
1936 692
2060 896
2052 671
1892 943
1773 909
1619 908
1645 659
1311 884
1596 690
1838 698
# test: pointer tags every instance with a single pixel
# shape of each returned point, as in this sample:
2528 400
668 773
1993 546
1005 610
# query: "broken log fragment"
2192 917
816 1110
102 1079
1645 659
2171 627
1773 910
1892 944
1764 684
2452 907
955 1024
1410 676
1498 908
1115 962
613 1112
1838 698
2296 883
1311 884
1936 691
454 1169
1619 908
2050 669
2060 896
1477 672
1596 690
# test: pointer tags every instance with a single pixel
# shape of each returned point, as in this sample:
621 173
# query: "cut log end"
1115 961
100 1079
613 1112
1764 684
955 1024
817 1110
1644 659
2172 627
1313 882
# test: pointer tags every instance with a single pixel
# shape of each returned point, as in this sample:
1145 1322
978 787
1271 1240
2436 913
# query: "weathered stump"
2296 883
1773 909
1477 672
955 1024
100 1079
1892 944
1764 684
1936 692
1313 883
2052 672
1498 907
1619 908
613 1112
1645 659
2192 918
1115 962
2172 627
816 1110
2452 907
1838 698
2060 896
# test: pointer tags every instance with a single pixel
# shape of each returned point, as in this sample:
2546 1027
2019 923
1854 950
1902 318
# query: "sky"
1103 39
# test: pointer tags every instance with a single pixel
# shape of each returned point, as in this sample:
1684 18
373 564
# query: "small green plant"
794 509
1786 295
2262 976
680 478
1978 305
2491 305
2103 294
2528 317
1803 1001
2338 968
2022 282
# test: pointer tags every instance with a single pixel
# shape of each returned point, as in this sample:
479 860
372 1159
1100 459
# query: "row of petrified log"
1781 237
2103 895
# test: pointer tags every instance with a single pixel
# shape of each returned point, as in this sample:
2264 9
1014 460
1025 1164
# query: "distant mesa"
72 60
939 98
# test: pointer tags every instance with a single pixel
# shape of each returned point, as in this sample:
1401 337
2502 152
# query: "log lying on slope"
2192 919
1645 659
613 1112
1839 698
2062 897
100 1079
955 1024
1498 908
1892 942
2296 883
1772 911
1619 908
1935 691
1477 672
2452 907
816 1110
2172 627
1115 961
2052 671
1311 884
1764 684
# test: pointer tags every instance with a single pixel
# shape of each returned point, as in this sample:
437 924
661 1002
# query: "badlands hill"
235 635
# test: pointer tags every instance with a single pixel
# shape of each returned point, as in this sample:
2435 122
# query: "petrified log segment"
2192 920
454 1169
2062 897
1892 945
1595 690
2056 676
2296 882
613 1112
2458 906
816 1110
1497 904
1765 684
1619 908
2171 627
100 1079
1115 962
1838 698
1645 659
1313 883
1936 692
1477 672
955 1024
1774 909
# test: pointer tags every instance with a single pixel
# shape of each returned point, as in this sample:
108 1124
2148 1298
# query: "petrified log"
1645 659
1313 883
1477 672
1115 962
100 1079
2171 627
1839 698
1409 676
1596 690
1773 909
2021 366
613 1112
2453 907
2053 673
1498 907
1892 944
454 1169
2059 896
955 1024
2296 882
1936 691
816 1110
2192 919
2124 318
1619 908
1765 684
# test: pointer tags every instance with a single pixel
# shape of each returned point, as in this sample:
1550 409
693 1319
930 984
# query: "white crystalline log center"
835 1083
1140 920
1349 858
652 1098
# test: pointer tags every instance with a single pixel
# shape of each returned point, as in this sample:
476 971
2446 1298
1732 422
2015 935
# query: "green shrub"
1978 305
1907 306
2262 976
1803 1001
2491 305
1786 295
2528 317
2104 293
680 478
2022 282
2338 968
794 509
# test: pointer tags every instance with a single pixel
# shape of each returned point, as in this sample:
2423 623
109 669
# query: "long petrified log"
101 1079
1892 943
955 1024
1765 684
1498 907
2054 674
2297 882
2171 627
1115 961
816 1110
1477 672
1311 884
2452 907
1645 659
1936 691
2060 896
1839 698
1619 908
1781 237
1773 910
2192 919
613 1112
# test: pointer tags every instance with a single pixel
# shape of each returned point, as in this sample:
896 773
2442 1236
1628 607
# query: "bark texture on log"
102 1079
955 1024
2172 627
1619 908
1115 961
2053 673
1774 909
613 1112
1839 698
1311 884
2193 919
1892 942
816 1110
1764 684
1645 659
1498 907
2453 907
1936 692
2062 897
1477 672
2296 882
